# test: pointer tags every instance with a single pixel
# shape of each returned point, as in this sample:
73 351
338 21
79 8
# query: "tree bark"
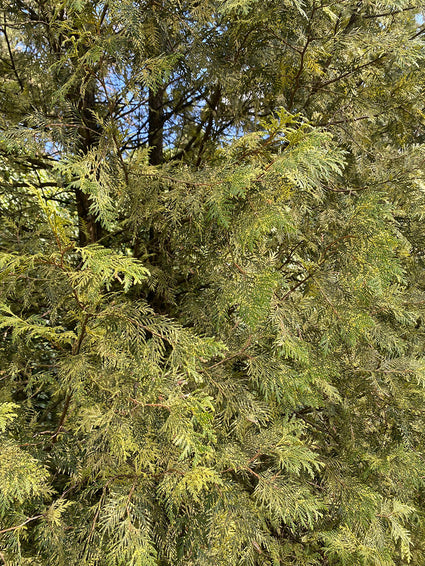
90 229
156 126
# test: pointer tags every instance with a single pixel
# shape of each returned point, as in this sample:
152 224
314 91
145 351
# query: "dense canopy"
212 298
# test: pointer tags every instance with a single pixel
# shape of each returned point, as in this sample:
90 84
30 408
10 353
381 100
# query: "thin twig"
9 529
321 262
247 345
62 418
393 13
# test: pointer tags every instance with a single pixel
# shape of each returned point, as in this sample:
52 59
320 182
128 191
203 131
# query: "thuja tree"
212 283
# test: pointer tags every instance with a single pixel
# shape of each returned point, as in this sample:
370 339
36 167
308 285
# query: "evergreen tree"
212 283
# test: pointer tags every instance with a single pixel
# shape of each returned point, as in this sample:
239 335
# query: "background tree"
212 283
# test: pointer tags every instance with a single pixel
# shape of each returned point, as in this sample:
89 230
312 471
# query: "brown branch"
348 73
247 345
295 287
321 262
32 162
12 60
239 268
349 236
248 469
9 529
82 334
133 487
256 455
346 121
26 184
68 397
302 54
213 104
103 15
318 426
54 437
273 34
291 253
299 73
393 13
420 32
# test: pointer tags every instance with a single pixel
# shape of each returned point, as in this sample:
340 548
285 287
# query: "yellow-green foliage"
212 291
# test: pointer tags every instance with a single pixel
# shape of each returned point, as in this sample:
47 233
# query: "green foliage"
7 414
212 283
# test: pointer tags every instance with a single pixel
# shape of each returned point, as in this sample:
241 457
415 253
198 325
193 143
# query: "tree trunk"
156 126
90 229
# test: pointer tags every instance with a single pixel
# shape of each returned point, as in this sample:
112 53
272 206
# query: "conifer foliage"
212 292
